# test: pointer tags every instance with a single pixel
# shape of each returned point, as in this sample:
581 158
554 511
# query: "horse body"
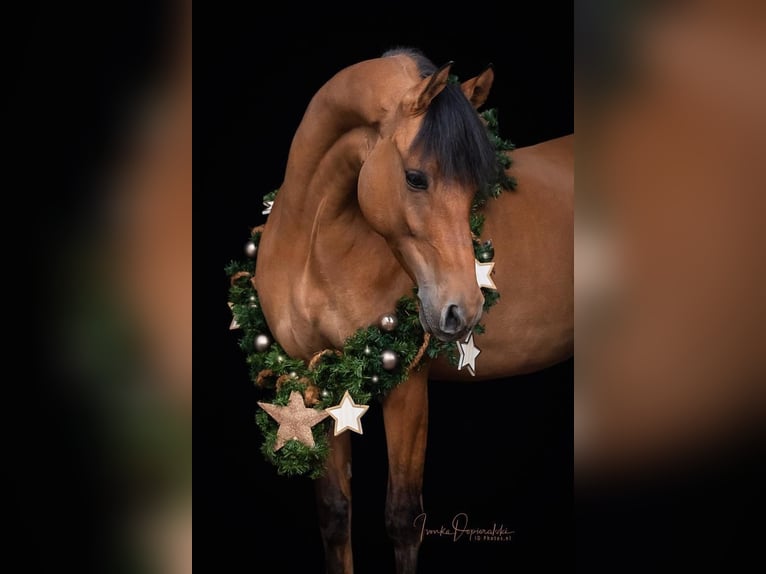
365 214
532 229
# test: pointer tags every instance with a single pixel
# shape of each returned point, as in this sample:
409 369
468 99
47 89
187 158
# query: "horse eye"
416 179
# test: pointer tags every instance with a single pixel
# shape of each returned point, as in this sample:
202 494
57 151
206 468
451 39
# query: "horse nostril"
452 319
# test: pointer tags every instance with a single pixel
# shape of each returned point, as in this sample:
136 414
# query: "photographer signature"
459 529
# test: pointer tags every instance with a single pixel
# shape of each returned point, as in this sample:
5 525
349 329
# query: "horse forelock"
451 133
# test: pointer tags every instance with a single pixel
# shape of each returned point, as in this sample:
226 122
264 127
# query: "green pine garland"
357 367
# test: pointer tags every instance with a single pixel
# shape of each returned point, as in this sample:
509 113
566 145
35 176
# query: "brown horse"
375 202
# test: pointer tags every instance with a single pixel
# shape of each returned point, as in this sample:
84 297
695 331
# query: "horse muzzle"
448 322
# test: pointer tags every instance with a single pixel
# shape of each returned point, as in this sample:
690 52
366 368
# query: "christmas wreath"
338 385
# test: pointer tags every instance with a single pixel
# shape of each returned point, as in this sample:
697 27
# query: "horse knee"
401 515
334 510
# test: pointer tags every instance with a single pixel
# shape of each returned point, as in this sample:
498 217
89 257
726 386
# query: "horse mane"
452 133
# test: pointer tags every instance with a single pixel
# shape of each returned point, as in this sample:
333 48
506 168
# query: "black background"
71 69
499 451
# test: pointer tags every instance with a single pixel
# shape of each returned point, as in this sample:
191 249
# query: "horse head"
416 189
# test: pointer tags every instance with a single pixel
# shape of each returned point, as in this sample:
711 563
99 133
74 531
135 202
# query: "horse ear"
477 89
417 100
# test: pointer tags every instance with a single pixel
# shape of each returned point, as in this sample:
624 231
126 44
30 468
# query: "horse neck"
317 207
336 132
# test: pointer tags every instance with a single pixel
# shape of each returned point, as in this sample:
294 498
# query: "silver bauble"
251 249
388 322
389 359
262 343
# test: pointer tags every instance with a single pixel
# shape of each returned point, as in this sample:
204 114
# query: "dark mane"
452 134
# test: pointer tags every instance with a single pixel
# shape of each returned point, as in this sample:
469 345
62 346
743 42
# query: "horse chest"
321 314
306 319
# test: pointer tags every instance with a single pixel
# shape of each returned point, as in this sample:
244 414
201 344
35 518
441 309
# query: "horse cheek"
379 189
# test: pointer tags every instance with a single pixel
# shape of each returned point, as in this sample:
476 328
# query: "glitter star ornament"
468 354
483 271
347 415
295 420
268 205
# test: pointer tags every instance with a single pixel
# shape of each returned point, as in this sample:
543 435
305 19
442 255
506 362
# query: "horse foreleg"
333 495
405 415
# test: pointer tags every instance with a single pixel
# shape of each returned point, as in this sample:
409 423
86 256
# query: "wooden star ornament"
233 325
295 420
347 415
468 354
483 271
